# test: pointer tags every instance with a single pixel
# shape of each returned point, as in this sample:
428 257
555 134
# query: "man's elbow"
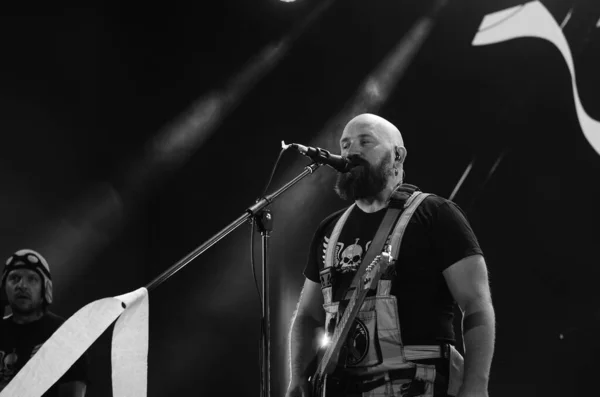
482 302
479 312
305 319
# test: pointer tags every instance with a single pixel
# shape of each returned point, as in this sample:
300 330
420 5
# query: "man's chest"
342 256
16 348
346 250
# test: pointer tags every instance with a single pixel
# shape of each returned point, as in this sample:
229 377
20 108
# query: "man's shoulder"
334 215
433 202
428 212
331 219
53 320
429 205
4 322
434 199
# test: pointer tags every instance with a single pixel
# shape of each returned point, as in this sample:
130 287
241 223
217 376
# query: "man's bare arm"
309 316
468 282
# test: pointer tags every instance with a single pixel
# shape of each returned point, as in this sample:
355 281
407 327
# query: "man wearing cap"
27 285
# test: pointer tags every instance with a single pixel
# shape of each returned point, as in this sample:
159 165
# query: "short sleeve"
311 270
452 236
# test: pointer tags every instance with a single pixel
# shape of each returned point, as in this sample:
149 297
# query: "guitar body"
326 386
319 385
318 379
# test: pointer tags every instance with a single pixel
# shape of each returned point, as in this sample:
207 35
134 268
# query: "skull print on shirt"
348 259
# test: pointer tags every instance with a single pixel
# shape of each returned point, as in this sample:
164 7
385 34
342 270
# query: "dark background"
84 89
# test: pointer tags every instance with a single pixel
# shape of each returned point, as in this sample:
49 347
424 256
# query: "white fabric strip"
129 354
78 333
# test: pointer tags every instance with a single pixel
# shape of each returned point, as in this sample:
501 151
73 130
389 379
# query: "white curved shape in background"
129 347
534 20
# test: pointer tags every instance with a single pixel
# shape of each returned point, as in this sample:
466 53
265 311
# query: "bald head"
378 126
384 131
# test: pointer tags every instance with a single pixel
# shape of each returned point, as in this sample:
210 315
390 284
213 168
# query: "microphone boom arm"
250 212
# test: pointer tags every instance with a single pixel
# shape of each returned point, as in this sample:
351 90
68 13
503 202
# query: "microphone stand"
264 220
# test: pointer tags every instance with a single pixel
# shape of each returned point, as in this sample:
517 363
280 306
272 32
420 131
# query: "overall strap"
335 235
378 242
402 195
410 206
400 199
376 247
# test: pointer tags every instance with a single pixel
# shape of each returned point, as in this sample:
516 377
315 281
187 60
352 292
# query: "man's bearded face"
364 180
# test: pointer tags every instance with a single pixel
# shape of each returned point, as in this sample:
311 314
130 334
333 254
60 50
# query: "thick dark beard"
37 310
37 307
364 180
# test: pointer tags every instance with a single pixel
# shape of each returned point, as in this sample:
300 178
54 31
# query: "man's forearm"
301 345
479 336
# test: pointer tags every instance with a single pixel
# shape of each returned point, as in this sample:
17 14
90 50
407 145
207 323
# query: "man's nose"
21 284
351 150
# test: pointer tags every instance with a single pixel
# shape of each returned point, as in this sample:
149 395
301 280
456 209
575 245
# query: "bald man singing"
402 341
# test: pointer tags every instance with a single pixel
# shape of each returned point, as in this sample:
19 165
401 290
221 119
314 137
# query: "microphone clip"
321 156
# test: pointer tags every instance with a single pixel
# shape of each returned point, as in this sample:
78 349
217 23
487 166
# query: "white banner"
78 333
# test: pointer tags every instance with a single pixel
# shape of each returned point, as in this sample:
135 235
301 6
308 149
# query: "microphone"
322 156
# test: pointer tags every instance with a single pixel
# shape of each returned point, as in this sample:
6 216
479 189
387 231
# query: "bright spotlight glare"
288 1
325 340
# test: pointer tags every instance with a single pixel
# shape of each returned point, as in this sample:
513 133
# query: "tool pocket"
456 370
421 386
361 348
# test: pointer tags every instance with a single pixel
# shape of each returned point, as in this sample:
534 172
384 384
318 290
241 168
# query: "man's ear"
400 154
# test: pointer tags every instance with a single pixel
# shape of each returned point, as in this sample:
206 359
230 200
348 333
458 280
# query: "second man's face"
24 290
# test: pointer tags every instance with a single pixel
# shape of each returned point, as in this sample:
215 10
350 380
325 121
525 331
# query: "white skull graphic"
351 257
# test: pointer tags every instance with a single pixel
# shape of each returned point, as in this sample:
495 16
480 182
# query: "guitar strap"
400 199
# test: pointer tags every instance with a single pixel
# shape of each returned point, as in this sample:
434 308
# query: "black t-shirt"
18 343
437 236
